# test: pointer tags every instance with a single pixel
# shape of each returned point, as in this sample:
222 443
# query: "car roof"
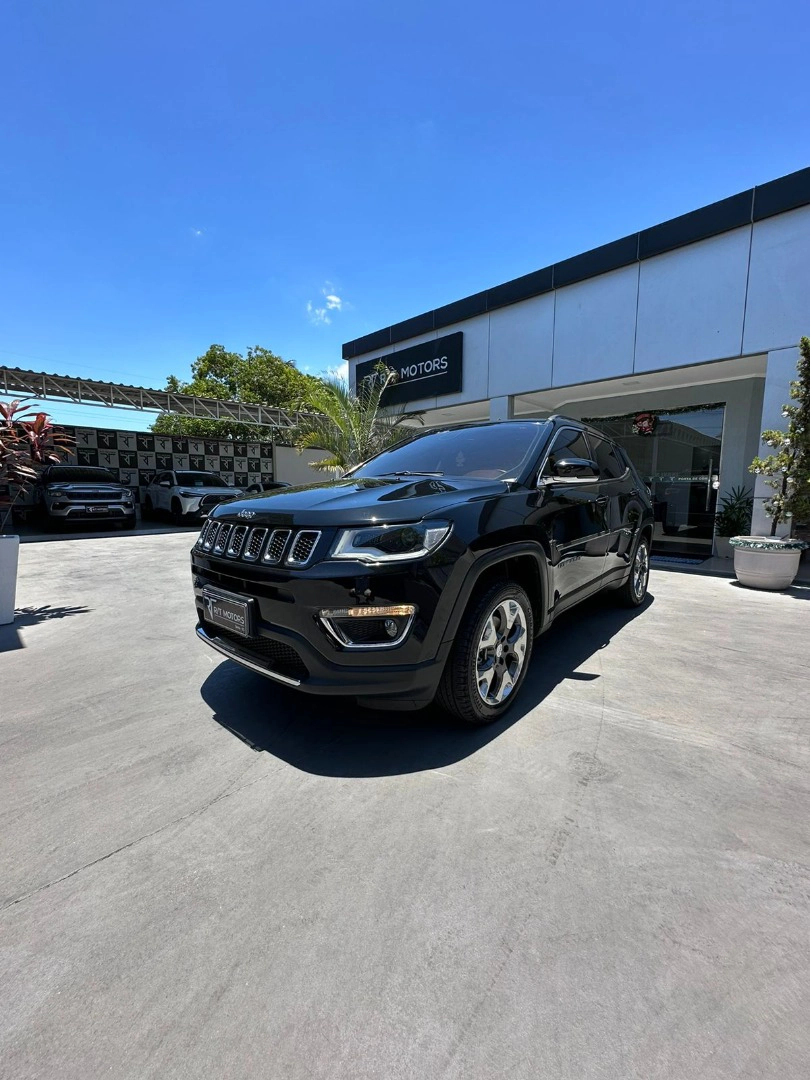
558 419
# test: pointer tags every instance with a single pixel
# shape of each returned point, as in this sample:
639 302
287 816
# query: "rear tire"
490 656
634 591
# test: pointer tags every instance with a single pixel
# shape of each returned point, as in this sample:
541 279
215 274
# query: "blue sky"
183 173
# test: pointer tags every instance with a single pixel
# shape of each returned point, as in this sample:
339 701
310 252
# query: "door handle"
603 500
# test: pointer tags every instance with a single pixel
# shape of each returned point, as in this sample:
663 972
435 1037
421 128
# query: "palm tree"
351 426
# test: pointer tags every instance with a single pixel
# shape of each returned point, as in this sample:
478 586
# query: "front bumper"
290 644
92 512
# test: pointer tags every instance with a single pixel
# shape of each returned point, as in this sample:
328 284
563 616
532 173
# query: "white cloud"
318 316
318 310
197 232
340 372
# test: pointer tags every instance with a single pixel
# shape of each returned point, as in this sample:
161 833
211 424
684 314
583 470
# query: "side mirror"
575 468
165 483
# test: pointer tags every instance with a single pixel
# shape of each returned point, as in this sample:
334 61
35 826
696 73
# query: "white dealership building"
680 340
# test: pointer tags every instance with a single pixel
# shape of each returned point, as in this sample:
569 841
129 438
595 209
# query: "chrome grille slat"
223 536
238 535
209 535
276 545
303 547
254 545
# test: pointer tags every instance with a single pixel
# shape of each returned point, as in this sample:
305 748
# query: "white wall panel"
295 468
778 309
595 328
475 359
520 347
691 303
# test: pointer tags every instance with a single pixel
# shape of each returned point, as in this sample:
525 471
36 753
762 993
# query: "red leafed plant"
28 440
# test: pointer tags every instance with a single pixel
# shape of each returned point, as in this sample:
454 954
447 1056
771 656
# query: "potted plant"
733 518
772 562
27 441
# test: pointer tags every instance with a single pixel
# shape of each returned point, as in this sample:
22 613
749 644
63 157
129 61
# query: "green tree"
351 426
260 377
788 470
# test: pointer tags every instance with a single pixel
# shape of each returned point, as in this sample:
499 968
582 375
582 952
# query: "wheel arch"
524 564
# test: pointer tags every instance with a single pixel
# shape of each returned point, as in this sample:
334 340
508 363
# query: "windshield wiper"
407 472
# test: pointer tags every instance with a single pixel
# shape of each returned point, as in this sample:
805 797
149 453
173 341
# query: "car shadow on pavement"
9 638
332 736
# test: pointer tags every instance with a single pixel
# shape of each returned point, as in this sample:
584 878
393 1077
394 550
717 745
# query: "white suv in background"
179 494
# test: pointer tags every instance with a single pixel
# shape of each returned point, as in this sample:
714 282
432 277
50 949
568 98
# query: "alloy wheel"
501 652
641 571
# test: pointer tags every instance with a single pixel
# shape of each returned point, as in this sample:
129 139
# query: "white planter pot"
722 547
765 562
9 555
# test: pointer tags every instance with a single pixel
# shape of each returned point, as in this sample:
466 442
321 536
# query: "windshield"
488 452
78 474
200 479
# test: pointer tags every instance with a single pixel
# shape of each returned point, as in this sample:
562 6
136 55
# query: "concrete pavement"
205 875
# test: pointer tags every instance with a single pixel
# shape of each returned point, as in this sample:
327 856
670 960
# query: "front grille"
90 496
303 547
254 545
273 655
275 546
237 539
270 547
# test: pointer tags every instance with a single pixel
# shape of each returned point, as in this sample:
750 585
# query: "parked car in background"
208 502
179 494
428 571
68 494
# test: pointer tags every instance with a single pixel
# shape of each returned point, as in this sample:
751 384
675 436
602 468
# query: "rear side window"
568 443
610 464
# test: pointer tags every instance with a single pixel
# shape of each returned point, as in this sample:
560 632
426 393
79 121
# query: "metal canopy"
19 383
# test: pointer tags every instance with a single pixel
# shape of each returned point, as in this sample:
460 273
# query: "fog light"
369 627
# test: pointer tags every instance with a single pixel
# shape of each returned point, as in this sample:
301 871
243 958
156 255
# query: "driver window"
568 443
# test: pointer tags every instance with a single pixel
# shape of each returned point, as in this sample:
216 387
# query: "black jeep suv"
428 571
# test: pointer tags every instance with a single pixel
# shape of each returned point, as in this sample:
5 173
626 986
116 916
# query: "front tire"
490 657
634 591
178 517
147 510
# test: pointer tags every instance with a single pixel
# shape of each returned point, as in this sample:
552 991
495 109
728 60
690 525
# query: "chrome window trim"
542 481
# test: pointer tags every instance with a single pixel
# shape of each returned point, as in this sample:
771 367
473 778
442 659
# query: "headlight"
191 494
391 543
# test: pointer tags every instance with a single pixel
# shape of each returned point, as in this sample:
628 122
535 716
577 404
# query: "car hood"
361 501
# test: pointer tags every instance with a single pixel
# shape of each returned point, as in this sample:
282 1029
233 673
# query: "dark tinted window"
610 465
78 474
568 443
491 452
200 479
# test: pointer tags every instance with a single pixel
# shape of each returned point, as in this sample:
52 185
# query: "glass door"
678 456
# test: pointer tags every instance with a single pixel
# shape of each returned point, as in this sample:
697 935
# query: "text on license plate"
233 615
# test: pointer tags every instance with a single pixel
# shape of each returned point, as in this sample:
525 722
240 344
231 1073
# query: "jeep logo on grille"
246 514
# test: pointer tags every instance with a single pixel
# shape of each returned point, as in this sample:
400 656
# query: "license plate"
229 612
98 509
